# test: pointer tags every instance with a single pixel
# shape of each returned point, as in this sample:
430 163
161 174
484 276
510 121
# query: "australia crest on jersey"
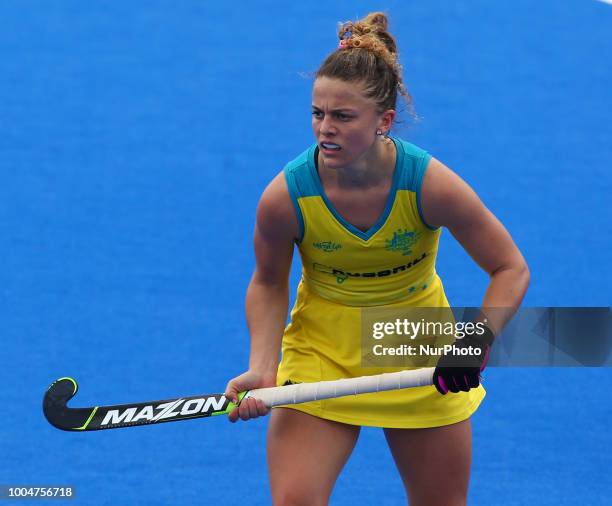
402 241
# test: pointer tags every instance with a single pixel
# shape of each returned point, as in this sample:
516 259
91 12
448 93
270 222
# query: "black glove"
457 372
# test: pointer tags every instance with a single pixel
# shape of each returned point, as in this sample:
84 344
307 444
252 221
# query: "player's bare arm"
448 201
268 294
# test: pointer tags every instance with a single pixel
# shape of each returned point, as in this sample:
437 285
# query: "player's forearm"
504 295
266 312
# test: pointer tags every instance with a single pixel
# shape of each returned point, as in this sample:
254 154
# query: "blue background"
135 140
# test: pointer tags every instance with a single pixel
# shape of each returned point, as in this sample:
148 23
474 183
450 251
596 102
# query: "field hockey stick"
185 408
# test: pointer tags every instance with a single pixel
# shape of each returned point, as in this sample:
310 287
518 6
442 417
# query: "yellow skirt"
323 342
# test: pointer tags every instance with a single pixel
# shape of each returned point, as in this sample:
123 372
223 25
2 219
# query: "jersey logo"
327 246
342 275
402 241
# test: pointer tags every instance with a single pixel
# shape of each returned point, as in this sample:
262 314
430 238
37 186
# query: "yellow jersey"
345 269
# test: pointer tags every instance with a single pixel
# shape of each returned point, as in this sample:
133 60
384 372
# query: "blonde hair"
368 54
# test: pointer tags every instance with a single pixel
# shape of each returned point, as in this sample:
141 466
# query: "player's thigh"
306 455
434 463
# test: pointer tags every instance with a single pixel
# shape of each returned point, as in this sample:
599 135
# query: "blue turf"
135 140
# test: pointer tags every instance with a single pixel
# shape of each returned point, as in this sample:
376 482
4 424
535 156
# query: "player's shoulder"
411 150
446 196
429 171
441 181
275 214
279 189
276 193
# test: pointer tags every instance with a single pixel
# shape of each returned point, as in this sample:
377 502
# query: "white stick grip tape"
306 392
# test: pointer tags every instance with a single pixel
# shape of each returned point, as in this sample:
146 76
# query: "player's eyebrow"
342 109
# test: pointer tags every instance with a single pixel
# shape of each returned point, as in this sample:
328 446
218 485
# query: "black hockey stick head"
61 416
56 410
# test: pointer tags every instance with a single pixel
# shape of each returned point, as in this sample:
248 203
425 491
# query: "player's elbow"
270 279
516 272
523 275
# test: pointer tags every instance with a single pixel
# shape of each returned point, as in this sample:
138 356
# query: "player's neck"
374 168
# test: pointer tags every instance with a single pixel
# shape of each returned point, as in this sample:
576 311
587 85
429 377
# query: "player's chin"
337 159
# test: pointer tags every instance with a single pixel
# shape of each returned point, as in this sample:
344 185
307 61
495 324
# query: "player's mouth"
329 147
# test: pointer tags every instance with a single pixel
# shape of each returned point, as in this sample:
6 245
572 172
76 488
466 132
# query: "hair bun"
377 19
367 53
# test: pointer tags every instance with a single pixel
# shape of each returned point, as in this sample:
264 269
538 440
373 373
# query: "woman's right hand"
248 408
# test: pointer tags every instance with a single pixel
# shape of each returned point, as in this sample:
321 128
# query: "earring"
379 132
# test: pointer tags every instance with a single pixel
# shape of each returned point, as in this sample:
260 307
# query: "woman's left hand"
458 372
